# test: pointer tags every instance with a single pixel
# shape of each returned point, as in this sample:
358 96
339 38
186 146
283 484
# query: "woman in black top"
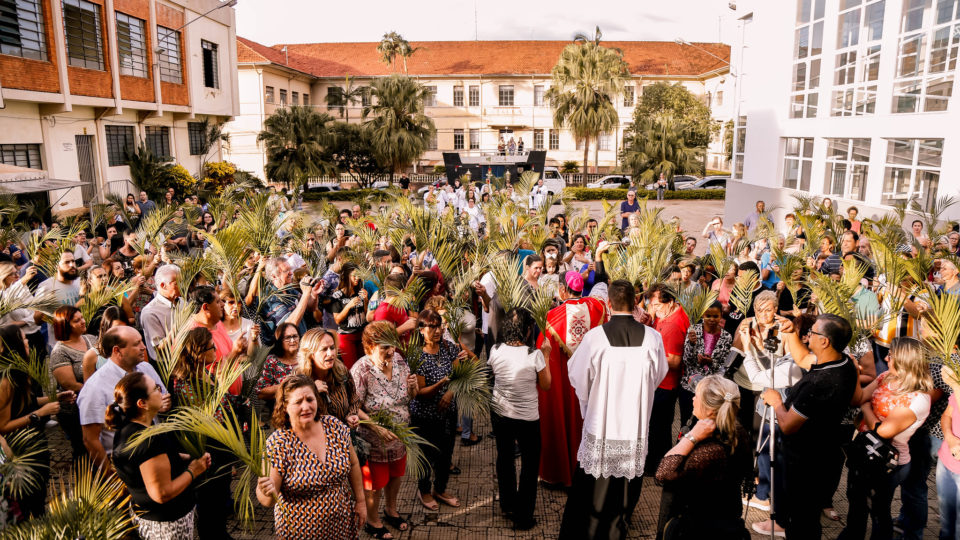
703 474
160 482
349 309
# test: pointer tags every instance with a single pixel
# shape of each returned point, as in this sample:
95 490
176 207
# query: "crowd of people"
367 342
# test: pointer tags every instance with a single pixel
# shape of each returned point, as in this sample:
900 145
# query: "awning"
18 180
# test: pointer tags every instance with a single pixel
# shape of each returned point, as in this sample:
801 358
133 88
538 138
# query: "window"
739 146
580 144
858 59
474 96
808 46
21 155
365 97
283 97
211 64
538 139
554 139
458 96
119 142
334 99
846 174
306 99
432 143
474 139
158 141
458 139
295 98
169 44
131 45
797 162
538 93
197 133
430 99
81 23
505 93
21 29
927 56
718 98
912 171
604 141
628 92
268 94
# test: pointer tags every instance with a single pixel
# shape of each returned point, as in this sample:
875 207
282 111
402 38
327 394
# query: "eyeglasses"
819 334
291 338
210 348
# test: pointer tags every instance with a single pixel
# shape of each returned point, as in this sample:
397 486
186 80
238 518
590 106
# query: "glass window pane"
802 42
848 30
791 171
900 151
819 6
807 148
800 77
803 11
816 41
873 21
837 148
814 74
913 14
805 167
930 152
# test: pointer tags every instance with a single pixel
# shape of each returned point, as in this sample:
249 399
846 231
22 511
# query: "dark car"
323 188
679 181
708 182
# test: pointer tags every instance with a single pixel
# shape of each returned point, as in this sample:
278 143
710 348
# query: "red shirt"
673 329
223 346
386 312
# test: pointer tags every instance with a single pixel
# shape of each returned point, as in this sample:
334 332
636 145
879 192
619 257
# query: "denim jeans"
871 496
763 465
948 486
466 425
913 491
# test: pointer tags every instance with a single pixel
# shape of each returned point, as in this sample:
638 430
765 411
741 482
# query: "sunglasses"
291 338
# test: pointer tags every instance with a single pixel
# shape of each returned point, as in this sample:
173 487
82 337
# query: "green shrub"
714 172
570 167
342 195
588 194
439 169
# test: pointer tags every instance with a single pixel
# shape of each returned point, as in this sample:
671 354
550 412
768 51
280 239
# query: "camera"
772 342
733 362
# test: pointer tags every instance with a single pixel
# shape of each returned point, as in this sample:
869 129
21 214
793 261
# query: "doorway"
87 167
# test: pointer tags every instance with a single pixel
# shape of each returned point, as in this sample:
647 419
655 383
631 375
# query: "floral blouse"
274 371
433 368
378 393
693 370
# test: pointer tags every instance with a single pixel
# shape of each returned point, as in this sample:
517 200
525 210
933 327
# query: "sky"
312 21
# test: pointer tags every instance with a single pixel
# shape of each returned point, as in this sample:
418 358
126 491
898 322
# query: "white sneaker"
759 504
763 528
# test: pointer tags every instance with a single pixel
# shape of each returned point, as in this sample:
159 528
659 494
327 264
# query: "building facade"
81 81
481 91
847 99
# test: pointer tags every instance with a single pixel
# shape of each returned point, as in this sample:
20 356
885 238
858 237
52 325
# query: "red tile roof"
482 57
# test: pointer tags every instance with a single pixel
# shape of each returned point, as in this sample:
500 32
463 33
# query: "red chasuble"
560 421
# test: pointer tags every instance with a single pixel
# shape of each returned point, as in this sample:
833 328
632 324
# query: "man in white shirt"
125 347
156 317
614 371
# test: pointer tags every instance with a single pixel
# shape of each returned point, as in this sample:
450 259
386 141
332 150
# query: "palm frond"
414 444
21 473
168 351
150 229
227 251
742 294
943 323
542 303
719 259
470 384
788 264
511 288
192 267
45 303
105 295
33 367
695 301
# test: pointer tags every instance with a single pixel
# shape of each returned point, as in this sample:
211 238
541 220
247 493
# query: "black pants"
443 438
834 465
661 427
801 497
599 508
69 421
686 406
871 495
214 500
525 434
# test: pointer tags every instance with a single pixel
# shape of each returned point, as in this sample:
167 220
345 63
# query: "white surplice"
615 386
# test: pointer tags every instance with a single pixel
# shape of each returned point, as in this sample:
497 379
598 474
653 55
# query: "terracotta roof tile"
485 57
252 52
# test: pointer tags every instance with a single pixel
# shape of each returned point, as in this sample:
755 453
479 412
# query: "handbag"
870 453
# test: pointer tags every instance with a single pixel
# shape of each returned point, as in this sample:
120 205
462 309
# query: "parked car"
708 182
678 181
553 180
380 184
611 181
323 188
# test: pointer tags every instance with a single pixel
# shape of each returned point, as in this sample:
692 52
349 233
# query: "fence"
120 188
574 179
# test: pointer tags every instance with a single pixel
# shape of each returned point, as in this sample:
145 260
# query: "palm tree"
347 96
399 129
658 145
294 139
393 45
586 79
213 134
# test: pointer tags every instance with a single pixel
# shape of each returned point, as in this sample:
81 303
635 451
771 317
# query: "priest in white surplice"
615 371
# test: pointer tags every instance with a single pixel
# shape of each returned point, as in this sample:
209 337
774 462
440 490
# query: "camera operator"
810 417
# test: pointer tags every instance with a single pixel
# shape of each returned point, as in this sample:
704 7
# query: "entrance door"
88 171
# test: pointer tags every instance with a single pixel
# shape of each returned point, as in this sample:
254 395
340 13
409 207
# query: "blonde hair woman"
318 360
703 473
895 404
13 288
739 233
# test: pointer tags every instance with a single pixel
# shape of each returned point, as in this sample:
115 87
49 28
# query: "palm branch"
168 351
695 302
93 503
413 443
21 472
542 303
33 367
511 288
45 250
260 223
109 293
151 227
45 303
943 321
720 260
742 294
788 264
192 267
117 204
227 250
469 382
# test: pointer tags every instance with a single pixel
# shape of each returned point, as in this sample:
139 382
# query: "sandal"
377 532
396 521
449 501
455 470
831 514
432 506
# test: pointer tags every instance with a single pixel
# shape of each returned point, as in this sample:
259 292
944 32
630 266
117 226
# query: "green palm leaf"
470 384
33 367
111 293
742 294
21 472
695 302
413 443
943 321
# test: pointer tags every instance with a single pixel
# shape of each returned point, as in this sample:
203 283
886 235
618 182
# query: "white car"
708 182
612 181
553 180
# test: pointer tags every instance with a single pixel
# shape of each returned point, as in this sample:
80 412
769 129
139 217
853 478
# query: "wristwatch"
35 420
690 438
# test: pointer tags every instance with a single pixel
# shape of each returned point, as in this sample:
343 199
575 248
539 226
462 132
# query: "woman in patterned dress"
704 354
433 411
318 360
280 363
383 383
314 469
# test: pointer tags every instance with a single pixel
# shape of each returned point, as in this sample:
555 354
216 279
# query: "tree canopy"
351 150
399 129
680 103
657 144
294 139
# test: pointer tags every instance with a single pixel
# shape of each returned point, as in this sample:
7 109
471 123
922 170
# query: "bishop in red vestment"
560 420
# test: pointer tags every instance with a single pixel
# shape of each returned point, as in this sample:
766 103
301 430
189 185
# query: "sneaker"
759 504
763 528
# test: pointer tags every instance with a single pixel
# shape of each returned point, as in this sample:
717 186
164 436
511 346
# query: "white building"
124 71
482 91
847 99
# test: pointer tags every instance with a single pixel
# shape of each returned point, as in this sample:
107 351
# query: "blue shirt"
275 309
627 207
765 263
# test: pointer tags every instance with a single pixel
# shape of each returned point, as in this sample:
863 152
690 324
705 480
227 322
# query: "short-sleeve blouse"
62 355
378 393
433 368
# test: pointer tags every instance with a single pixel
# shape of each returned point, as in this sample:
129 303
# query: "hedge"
577 194
593 194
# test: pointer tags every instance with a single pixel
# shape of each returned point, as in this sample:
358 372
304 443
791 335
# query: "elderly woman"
280 363
315 481
160 482
384 385
704 354
66 364
318 360
433 411
702 475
